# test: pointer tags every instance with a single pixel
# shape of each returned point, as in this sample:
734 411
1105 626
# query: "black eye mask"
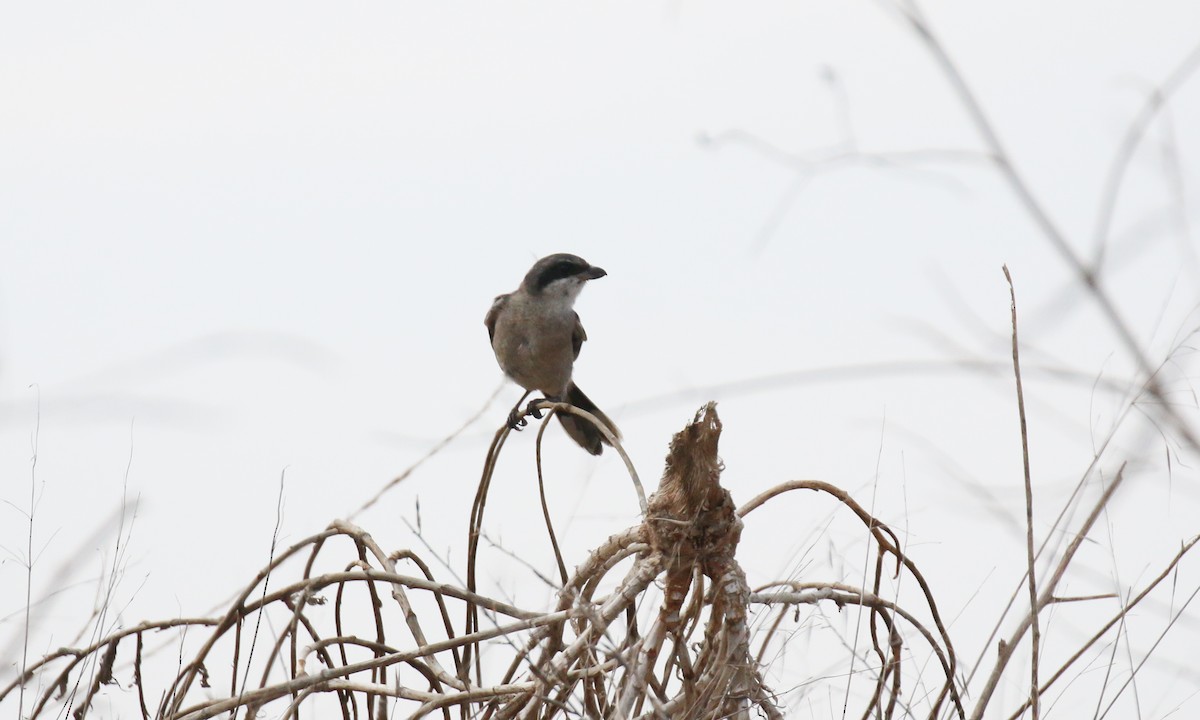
558 271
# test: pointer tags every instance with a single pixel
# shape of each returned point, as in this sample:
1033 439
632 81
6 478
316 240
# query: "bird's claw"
533 410
516 421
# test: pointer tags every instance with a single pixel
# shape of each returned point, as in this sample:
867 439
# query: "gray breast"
533 344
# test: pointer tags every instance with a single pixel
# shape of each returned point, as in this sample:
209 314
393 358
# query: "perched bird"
536 335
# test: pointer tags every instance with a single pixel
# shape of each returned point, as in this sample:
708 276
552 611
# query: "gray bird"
536 335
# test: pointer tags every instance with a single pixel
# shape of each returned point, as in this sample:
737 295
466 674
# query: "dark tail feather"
583 431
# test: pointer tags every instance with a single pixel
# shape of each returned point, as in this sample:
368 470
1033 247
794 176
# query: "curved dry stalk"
562 568
475 524
474 529
888 543
79 654
613 440
810 593
319 680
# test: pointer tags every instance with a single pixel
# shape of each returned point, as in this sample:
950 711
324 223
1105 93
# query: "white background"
239 241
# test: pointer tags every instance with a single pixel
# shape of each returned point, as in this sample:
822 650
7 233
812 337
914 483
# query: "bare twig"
432 451
1031 566
1121 614
1047 593
558 559
37 428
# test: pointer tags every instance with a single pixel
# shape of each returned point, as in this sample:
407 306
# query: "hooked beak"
594 272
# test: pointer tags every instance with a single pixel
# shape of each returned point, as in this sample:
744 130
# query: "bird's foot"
516 420
535 411
532 409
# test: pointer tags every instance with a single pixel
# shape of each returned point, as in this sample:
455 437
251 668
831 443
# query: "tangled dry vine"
584 657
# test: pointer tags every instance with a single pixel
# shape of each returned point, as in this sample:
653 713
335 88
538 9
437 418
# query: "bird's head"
561 274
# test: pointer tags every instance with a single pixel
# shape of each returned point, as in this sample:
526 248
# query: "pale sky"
239 241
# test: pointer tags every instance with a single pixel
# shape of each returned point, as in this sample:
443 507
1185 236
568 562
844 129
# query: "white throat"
561 294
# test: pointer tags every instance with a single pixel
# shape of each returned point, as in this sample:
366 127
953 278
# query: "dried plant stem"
441 445
1047 595
1113 622
1031 563
558 559
319 679
888 543
474 529
37 428
608 435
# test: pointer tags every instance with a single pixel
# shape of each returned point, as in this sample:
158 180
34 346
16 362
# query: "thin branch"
1031 563
1007 647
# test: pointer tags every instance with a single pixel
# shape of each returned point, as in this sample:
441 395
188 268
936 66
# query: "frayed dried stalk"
692 525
